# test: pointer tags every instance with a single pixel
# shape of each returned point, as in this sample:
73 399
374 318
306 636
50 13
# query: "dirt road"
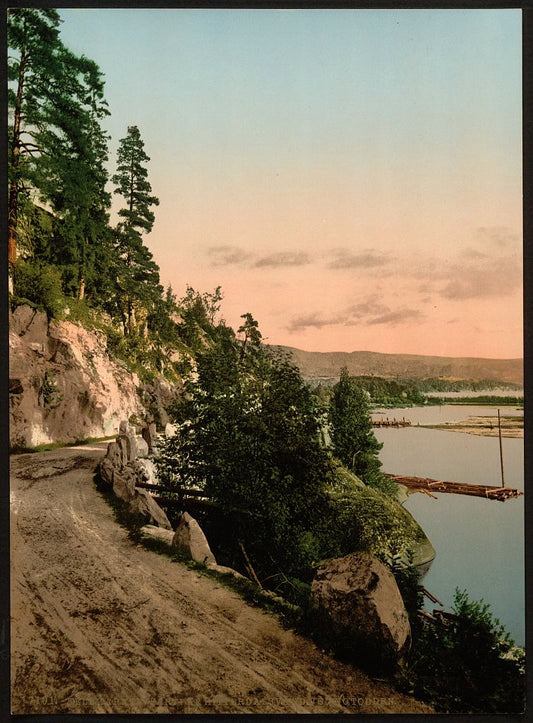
101 625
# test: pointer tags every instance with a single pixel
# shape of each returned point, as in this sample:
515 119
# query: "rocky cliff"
63 385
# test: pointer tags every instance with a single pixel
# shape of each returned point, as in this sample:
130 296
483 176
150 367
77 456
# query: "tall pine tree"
57 149
138 274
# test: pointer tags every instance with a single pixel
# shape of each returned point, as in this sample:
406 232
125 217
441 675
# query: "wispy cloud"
310 321
368 312
500 237
227 255
400 316
368 259
283 258
487 279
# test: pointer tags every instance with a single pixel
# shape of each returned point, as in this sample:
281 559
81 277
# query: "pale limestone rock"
225 570
142 447
158 533
146 471
190 540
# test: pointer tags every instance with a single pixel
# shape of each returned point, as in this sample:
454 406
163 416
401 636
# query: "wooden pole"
249 566
501 448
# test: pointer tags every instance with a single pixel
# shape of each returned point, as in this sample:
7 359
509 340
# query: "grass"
20 448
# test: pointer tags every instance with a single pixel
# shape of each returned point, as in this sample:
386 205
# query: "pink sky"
352 178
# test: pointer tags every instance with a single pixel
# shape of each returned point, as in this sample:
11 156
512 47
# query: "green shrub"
41 285
469 665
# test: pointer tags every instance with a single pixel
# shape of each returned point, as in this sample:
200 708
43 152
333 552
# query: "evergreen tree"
352 436
56 148
33 41
250 329
138 274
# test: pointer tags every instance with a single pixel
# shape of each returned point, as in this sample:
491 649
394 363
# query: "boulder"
225 570
142 447
170 429
148 434
124 483
146 471
128 447
146 506
191 541
360 609
158 533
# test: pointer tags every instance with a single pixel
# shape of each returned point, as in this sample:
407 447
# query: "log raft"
429 486
397 423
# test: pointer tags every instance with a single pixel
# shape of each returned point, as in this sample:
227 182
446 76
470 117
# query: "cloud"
368 259
283 258
369 312
309 321
227 255
501 237
488 279
471 253
363 310
401 316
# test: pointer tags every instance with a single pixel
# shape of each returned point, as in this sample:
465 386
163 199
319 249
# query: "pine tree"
33 41
57 149
138 274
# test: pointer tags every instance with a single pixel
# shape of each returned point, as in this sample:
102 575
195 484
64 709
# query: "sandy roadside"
101 625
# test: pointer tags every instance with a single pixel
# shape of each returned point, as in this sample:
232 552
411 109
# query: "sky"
352 178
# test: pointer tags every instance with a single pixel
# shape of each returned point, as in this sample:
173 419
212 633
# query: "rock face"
360 608
63 385
190 540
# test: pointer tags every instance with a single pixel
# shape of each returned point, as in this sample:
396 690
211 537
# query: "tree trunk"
15 161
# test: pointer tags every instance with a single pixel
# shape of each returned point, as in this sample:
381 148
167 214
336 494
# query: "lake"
479 543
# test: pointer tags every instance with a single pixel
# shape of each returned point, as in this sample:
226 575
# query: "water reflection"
479 542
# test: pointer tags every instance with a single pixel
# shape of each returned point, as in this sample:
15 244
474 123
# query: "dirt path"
101 625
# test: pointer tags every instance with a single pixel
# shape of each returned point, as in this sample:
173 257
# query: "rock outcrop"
64 386
361 610
191 541
123 469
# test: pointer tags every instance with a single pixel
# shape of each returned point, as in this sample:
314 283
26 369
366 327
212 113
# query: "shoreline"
484 426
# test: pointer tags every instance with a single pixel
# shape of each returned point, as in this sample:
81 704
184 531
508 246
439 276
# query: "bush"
41 285
469 665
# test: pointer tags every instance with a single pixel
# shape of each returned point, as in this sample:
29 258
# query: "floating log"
423 484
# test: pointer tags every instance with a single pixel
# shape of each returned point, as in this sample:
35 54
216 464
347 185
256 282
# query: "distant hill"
327 365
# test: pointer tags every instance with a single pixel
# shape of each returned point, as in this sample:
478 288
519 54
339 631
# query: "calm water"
479 543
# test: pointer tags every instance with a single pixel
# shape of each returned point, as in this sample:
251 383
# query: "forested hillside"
441 370
65 255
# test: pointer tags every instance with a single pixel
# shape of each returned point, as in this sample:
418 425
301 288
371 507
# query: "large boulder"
191 541
360 609
145 505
